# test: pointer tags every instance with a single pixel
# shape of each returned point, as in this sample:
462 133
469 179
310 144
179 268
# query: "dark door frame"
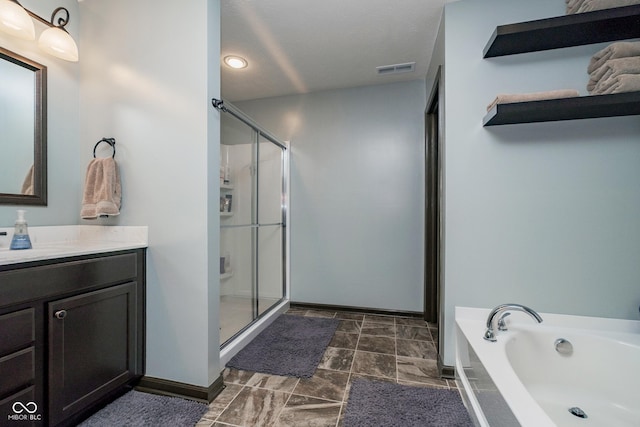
433 197
434 147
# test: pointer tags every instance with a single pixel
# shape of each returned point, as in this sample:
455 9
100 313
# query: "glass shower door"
252 245
237 234
270 231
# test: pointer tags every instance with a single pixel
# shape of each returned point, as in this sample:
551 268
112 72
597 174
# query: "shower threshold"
238 341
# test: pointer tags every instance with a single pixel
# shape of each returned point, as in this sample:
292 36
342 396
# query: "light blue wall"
437 62
213 190
544 214
150 90
64 189
149 70
357 193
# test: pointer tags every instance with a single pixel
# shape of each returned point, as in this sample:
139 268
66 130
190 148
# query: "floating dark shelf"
550 110
619 23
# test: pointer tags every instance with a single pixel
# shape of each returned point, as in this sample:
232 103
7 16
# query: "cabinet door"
92 342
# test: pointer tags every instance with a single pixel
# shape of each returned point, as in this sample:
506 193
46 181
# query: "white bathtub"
522 380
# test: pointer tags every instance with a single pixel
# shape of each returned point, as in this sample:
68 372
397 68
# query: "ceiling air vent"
407 67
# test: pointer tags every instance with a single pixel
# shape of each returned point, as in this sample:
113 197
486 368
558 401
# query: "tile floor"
386 348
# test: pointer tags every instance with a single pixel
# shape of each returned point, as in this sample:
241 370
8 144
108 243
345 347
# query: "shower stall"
253 228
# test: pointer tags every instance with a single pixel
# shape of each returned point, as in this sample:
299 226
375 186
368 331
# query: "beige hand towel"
623 83
573 6
535 96
613 51
591 5
27 184
611 69
102 189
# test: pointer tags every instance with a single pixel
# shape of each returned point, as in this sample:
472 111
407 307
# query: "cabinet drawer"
16 330
17 370
45 281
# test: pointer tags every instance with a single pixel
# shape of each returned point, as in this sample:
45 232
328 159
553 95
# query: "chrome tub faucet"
502 311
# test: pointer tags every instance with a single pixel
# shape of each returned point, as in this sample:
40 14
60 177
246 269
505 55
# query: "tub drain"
577 412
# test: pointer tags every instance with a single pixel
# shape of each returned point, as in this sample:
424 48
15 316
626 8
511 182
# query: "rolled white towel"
591 5
613 51
623 83
510 98
612 68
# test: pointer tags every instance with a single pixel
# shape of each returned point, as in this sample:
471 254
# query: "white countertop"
72 240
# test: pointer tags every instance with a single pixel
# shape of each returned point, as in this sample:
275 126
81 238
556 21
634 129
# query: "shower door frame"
255 223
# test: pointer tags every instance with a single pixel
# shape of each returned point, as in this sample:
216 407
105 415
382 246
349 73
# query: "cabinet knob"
60 314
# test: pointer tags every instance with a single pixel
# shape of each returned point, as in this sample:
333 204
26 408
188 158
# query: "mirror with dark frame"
23 130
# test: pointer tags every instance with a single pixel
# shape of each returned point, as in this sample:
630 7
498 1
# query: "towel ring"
110 141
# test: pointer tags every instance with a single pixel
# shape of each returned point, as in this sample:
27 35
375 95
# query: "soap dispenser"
21 238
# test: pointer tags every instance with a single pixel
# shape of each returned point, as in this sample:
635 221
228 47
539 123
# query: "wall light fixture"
55 40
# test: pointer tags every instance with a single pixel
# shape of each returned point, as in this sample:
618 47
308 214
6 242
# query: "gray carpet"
377 403
291 346
136 409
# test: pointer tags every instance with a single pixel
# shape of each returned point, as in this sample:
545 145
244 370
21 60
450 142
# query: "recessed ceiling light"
235 61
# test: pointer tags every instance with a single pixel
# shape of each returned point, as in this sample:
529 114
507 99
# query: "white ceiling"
301 46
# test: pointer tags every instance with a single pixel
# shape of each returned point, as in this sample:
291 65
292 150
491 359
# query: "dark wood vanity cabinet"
71 335
90 337
17 360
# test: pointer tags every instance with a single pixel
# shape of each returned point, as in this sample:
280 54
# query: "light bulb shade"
59 43
236 62
16 21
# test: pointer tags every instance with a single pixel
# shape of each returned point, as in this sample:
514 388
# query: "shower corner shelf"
226 214
226 275
226 186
